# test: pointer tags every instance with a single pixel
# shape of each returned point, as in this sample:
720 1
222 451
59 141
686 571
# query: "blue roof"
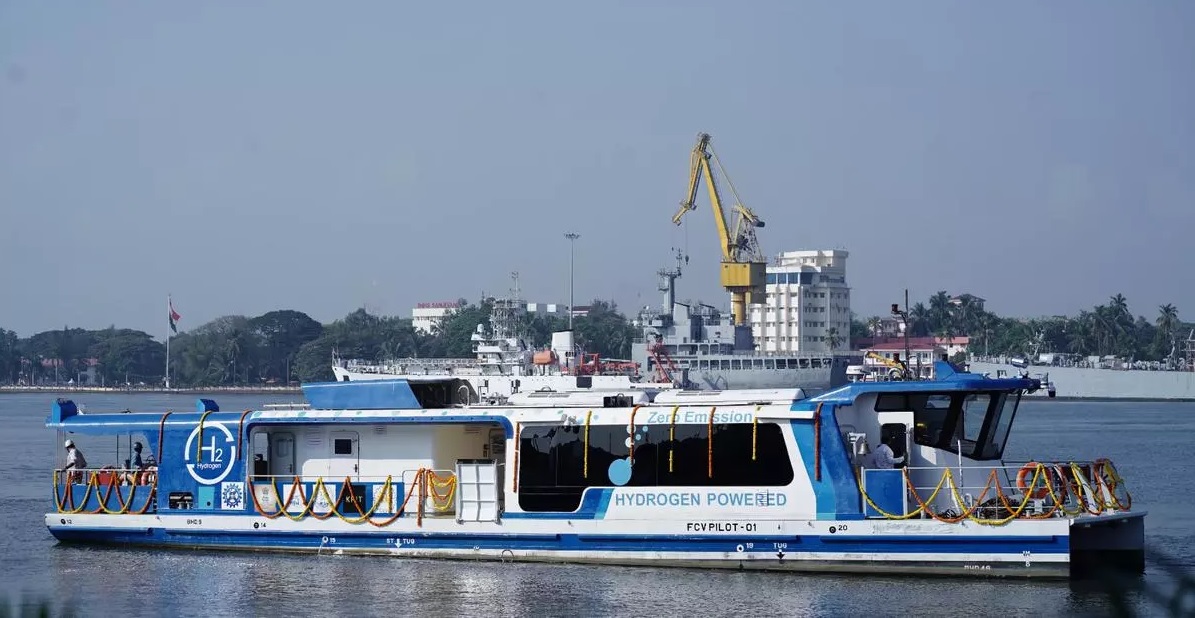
65 415
393 394
947 379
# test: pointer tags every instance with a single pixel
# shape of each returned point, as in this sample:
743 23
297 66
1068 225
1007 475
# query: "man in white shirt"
74 462
883 458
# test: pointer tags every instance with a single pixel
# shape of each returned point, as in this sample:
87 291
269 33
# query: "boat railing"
379 367
107 490
995 495
286 406
377 500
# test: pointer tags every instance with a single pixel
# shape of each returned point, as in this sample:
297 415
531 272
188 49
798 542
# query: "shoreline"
230 390
295 390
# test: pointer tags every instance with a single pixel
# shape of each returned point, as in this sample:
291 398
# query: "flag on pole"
174 316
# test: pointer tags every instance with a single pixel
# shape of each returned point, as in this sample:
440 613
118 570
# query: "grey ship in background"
696 346
1103 377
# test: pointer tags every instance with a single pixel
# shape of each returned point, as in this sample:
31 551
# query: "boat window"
342 446
804 363
970 425
553 474
769 363
931 411
736 364
1001 422
817 363
726 364
782 363
976 421
903 402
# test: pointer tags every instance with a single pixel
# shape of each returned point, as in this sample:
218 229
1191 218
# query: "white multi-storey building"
426 316
808 304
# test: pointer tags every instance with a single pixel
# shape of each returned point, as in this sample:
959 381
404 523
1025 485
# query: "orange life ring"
105 476
1028 471
148 477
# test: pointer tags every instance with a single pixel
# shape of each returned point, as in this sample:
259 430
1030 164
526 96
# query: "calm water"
1148 442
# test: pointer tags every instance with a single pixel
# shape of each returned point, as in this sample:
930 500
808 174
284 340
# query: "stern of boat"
1107 545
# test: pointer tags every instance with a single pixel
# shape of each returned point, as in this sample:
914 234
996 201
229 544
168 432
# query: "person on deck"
138 464
75 462
883 458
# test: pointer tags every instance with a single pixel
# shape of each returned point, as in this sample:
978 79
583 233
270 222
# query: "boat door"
282 454
344 460
894 429
896 435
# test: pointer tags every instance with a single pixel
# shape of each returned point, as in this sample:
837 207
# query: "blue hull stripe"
573 542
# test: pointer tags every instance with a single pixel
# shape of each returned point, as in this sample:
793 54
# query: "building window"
552 475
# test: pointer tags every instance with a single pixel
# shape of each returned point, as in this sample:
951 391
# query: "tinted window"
342 446
1002 415
944 421
552 463
970 425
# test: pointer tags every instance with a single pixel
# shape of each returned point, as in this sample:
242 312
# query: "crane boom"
743 265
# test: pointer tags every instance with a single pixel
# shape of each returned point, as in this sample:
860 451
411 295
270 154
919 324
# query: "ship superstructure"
506 363
697 346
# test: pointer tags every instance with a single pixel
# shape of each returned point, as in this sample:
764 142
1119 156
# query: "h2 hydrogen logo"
215 455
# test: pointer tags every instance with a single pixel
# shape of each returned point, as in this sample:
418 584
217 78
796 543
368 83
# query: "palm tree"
1168 324
939 311
919 320
833 338
1119 305
1167 320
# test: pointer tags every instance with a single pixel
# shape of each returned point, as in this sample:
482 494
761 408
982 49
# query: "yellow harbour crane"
743 264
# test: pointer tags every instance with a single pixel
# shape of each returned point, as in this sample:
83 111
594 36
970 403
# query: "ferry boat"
756 479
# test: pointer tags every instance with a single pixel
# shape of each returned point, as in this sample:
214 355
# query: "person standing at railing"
884 458
75 462
137 465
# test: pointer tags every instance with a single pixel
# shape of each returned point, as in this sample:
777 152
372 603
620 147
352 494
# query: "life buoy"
1026 474
148 477
105 476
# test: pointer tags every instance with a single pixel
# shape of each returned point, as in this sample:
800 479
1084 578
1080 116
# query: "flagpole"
168 309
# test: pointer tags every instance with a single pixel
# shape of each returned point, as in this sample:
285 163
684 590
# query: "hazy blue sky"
248 156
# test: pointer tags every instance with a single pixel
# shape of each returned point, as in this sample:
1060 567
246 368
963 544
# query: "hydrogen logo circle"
216 454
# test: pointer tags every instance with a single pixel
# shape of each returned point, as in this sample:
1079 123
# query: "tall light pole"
572 243
904 322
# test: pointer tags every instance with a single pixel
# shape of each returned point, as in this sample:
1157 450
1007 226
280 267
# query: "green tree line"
275 348
1107 329
287 346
